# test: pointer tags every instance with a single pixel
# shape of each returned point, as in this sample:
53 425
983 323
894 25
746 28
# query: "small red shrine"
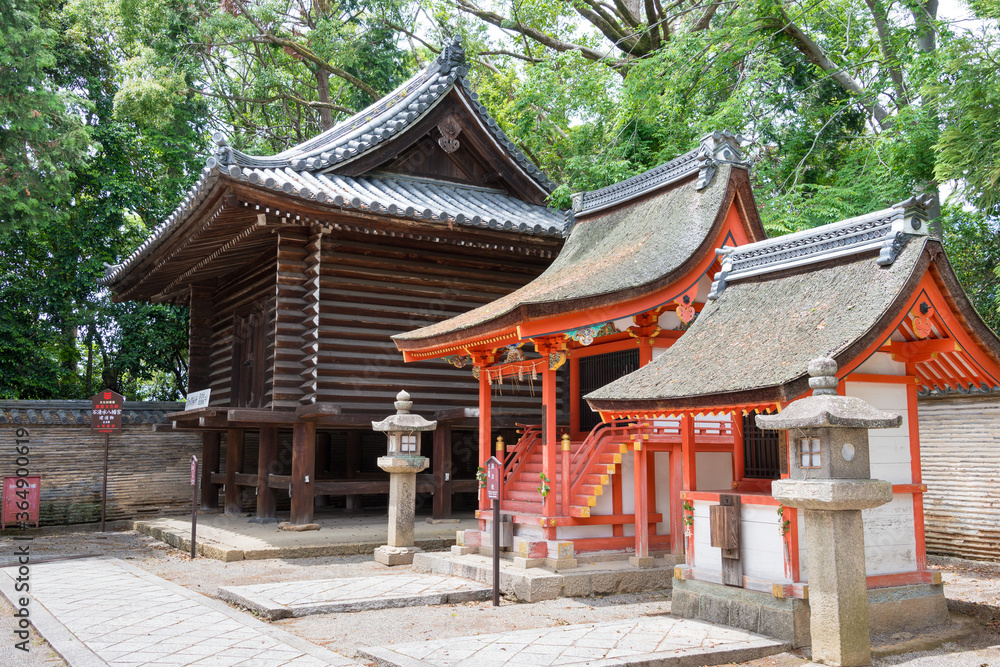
634 274
678 323
878 296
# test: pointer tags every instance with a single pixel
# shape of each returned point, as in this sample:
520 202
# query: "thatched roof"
627 252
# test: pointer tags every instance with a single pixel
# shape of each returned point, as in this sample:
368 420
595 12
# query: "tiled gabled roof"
307 170
390 116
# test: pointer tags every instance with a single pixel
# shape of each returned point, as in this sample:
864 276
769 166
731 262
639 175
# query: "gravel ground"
973 588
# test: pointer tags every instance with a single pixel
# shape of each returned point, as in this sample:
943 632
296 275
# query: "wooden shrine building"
298 267
634 274
878 296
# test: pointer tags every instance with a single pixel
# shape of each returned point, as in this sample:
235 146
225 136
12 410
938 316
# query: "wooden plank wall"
149 473
960 455
237 291
374 288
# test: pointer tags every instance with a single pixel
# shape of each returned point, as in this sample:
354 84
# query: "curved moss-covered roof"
627 252
754 343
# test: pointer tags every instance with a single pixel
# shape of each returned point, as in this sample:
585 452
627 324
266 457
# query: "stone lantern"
830 480
402 461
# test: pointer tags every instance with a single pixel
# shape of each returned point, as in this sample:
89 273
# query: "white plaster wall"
803 569
657 351
662 462
668 320
714 471
889 448
890 542
573 532
762 550
705 557
881 363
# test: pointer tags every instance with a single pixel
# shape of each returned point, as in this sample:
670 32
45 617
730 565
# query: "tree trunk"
323 88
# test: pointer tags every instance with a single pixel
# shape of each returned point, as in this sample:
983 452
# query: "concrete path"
325 596
97 612
649 640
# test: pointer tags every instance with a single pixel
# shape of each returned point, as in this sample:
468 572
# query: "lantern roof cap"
404 420
826 407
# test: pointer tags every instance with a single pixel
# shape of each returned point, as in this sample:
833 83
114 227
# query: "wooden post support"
234 464
303 472
485 428
565 446
688 453
641 501
676 504
354 446
209 464
442 471
549 439
267 456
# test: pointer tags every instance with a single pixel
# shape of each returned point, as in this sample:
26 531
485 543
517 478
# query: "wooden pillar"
322 462
687 452
676 504
303 472
201 310
442 471
916 477
267 456
485 428
739 462
234 464
641 501
550 444
209 464
354 446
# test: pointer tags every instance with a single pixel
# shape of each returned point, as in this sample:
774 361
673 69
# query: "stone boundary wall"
149 472
960 455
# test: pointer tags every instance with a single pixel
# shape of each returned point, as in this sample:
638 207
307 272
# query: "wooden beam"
906 350
267 462
317 411
209 464
252 416
303 472
192 415
234 464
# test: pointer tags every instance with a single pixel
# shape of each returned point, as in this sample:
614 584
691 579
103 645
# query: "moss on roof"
755 342
628 248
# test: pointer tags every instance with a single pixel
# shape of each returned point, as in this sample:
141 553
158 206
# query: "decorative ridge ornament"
715 148
888 230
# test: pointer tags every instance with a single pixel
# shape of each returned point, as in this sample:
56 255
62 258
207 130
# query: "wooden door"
249 357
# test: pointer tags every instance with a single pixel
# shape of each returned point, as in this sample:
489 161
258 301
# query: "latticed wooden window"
597 371
761 451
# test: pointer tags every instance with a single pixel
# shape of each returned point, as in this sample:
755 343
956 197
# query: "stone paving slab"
600 577
103 611
324 596
641 642
234 537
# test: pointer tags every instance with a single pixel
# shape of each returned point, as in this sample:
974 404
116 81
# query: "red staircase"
592 462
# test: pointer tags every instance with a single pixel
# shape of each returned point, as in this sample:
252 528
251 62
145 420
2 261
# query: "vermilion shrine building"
298 267
679 323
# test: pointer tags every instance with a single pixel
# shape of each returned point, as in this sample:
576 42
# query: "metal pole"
104 491
496 552
194 502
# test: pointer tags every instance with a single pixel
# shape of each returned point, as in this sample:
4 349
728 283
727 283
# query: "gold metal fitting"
500 444
565 442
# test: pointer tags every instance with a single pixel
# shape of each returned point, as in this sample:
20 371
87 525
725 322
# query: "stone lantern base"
388 555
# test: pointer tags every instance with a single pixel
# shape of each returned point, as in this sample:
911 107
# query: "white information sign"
197 399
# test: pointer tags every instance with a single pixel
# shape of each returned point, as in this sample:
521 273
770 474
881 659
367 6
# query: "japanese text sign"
106 411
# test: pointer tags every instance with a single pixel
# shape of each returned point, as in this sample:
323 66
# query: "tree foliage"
105 105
